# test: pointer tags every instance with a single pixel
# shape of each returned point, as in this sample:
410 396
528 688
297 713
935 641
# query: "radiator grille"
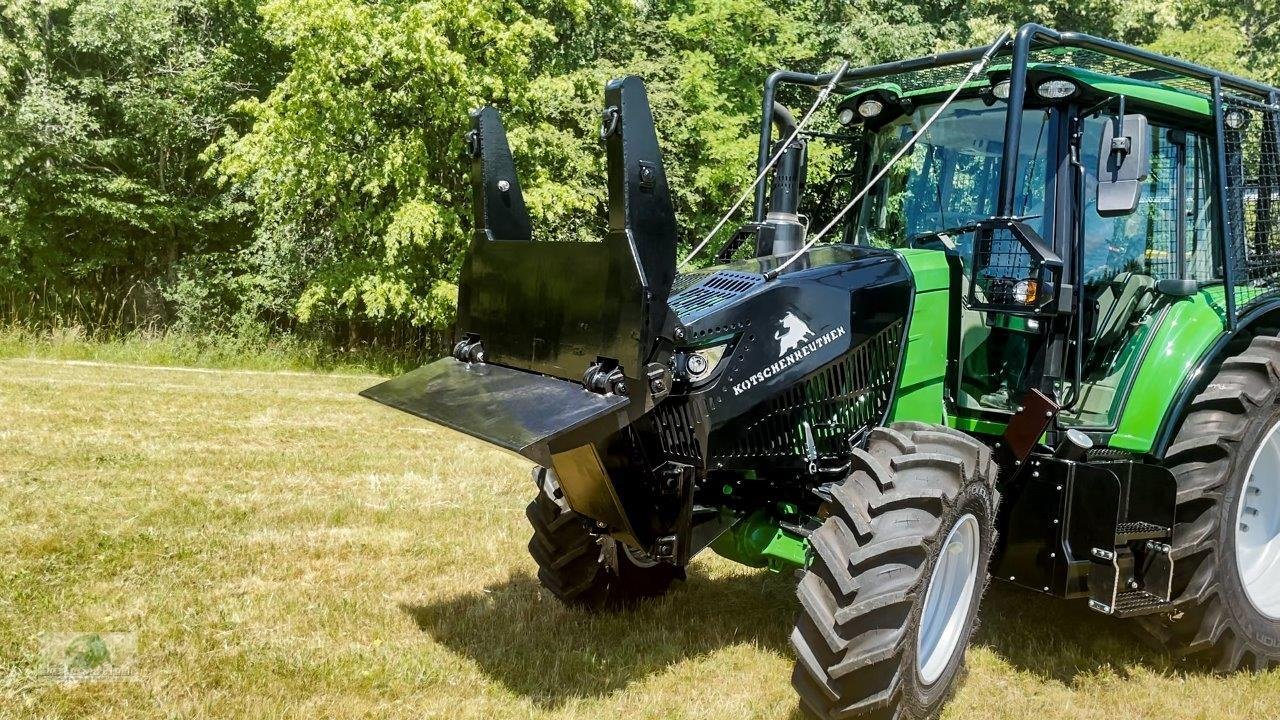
826 411
677 423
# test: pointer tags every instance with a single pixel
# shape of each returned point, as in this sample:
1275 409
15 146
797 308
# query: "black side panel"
813 357
497 203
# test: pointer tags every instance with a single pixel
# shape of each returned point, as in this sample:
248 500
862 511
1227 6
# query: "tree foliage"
108 109
297 164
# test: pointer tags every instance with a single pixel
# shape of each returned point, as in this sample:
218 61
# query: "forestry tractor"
1019 322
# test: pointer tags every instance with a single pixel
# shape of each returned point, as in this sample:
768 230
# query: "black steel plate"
513 409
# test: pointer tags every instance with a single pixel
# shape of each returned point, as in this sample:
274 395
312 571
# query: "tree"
108 108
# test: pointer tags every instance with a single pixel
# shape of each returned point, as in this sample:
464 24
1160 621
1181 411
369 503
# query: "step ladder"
1135 575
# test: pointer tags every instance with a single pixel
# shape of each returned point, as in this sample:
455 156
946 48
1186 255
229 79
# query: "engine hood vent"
708 291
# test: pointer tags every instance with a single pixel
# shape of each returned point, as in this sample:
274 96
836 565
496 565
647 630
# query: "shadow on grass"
1062 639
523 638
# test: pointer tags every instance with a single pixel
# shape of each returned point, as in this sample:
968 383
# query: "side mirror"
1014 272
1124 161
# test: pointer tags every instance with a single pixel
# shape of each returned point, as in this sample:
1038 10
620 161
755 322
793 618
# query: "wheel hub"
948 599
1257 530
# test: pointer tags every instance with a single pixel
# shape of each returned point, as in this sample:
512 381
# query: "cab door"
1124 257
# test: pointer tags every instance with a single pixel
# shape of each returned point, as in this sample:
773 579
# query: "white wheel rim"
947 600
1258 527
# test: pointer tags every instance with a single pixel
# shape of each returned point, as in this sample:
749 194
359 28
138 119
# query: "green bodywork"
1169 343
758 541
1142 90
1184 335
920 389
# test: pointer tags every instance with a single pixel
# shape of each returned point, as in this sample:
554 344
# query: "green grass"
282 548
225 351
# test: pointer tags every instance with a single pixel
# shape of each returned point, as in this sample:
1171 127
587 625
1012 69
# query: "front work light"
1056 89
870 108
1235 118
1024 292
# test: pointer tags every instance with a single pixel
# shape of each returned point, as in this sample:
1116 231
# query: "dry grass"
281 548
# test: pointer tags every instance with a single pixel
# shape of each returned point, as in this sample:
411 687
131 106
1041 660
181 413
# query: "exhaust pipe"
782 227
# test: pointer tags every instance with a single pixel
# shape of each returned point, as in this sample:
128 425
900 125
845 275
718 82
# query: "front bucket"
520 411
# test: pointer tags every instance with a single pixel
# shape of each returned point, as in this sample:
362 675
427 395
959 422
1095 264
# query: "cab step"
1132 603
1133 578
1139 602
1127 532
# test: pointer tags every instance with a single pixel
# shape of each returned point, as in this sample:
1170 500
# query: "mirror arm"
1120 133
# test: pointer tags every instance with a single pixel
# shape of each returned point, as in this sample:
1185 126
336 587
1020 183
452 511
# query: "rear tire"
582 568
858 638
1217 618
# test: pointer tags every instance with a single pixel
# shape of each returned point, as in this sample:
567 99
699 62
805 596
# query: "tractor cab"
1107 170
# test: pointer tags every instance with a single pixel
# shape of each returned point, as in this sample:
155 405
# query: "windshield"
951 177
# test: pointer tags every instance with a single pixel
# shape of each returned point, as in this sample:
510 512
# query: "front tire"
896 574
583 568
1226 585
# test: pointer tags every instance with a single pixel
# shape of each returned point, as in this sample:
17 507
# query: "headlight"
699 363
846 116
1001 90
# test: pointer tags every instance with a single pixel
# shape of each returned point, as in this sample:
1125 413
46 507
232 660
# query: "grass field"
265 545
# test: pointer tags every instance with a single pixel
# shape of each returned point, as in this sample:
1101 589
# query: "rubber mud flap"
520 411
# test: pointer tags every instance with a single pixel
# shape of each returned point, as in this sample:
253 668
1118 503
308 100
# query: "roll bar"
1028 37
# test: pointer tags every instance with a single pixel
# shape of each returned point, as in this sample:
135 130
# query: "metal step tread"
1130 531
1138 602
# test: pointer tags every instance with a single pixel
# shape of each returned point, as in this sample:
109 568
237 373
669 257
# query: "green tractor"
1022 325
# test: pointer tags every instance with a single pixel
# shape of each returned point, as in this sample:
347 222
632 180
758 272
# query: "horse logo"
793 334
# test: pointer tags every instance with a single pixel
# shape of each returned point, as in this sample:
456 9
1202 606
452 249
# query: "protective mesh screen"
1002 263
1253 198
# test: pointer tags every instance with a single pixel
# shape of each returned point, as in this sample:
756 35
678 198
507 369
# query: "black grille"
684 281
827 411
679 426
710 291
